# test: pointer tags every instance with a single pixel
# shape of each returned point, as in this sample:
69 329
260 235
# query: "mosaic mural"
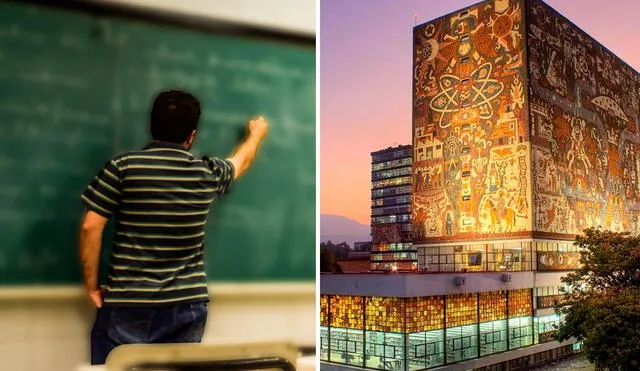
471 145
585 142
509 142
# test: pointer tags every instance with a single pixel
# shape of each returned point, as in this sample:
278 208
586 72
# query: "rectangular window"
466 150
464 60
464 38
466 127
464 81
466 173
466 197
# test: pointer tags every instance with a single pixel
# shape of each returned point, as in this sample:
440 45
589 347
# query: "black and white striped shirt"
160 197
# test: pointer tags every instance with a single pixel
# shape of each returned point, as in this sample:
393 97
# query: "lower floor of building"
419 333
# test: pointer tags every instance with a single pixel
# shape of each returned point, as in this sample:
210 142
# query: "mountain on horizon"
337 228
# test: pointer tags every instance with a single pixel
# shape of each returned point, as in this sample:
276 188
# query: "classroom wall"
48 328
54 323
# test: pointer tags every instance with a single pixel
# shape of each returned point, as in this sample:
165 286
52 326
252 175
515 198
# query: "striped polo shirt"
160 197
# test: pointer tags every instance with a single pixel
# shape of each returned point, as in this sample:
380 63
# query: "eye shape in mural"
474 93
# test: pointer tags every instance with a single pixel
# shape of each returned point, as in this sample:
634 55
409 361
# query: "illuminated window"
324 310
520 332
462 309
493 306
324 343
384 314
425 313
425 349
493 337
346 312
520 303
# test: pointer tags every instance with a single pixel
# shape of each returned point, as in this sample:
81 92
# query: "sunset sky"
365 80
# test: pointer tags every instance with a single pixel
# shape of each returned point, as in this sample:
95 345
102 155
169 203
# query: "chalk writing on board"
160 78
73 42
10 191
48 78
16 32
6 161
109 36
227 118
269 68
249 85
214 60
165 54
55 112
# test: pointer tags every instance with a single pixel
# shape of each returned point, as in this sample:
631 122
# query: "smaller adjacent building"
356 262
391 231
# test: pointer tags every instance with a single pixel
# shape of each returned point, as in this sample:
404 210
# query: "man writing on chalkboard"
160 196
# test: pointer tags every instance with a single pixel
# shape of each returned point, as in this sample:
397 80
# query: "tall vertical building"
525 132
391 248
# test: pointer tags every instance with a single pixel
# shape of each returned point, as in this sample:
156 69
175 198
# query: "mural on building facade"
471 151
585 144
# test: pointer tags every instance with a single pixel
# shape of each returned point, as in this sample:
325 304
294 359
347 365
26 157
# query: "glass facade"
485 257
424 332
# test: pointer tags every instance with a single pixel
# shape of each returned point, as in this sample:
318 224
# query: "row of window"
402 218
399 246
394 200
402 209
401 190
397 256
391 164
400 266
476 258
398 314
385 350
391 182
384 174
391 155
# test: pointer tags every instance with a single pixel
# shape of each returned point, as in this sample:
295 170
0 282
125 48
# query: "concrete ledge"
217 291
421 284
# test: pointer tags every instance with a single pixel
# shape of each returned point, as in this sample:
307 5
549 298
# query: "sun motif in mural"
474 93
505 28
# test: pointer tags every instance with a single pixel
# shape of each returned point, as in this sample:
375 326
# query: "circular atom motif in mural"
479 93
502 25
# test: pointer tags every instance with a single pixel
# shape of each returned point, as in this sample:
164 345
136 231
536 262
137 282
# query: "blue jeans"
183 323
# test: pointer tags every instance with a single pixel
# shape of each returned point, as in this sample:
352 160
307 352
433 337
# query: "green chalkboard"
75 90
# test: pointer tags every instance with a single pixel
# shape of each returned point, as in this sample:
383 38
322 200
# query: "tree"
328 262
601 306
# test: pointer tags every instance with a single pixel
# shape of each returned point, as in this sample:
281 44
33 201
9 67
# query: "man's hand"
258 127
244 155
96 298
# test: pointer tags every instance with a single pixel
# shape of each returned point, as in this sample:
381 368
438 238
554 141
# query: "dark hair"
174 116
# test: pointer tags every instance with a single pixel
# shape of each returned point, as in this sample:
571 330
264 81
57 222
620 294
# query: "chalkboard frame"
167 18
